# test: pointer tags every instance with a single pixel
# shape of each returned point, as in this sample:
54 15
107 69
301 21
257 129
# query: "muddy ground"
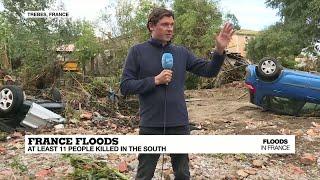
227 111
222 111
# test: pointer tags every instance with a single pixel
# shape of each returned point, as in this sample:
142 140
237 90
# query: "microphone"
167 61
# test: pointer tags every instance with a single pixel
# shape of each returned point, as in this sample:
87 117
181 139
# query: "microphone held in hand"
167 61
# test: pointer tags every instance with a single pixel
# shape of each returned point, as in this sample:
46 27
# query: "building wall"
240 40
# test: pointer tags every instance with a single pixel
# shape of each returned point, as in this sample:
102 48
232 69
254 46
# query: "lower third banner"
160 144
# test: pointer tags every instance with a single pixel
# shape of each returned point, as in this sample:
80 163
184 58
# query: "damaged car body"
283 90
16 110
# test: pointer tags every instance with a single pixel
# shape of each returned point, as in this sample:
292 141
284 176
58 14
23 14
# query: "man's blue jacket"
143 63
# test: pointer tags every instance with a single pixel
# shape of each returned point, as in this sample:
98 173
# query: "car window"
283 105
311 109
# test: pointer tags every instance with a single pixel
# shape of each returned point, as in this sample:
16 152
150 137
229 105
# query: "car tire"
269 69
11 99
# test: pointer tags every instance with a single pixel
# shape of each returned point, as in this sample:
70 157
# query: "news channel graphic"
133 144
46 14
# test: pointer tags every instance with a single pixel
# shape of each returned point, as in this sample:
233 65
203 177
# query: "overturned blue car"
283 90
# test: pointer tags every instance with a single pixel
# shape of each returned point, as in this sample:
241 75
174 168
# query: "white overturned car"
15 110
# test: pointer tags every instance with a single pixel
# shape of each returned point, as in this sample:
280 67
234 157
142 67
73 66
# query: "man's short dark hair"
157 14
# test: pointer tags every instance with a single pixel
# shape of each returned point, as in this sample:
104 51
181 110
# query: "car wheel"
11 99
269 69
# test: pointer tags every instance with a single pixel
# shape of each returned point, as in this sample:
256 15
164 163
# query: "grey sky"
252 14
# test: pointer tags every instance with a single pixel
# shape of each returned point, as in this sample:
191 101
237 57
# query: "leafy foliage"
87 45
28 40
31 43
196 23
298 29
130 29
232 19
86 168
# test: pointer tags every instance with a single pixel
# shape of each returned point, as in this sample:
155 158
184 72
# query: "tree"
130 29
31 43
196 24
278 42
298 29
232 19
28 40
4 29
301 17
87 46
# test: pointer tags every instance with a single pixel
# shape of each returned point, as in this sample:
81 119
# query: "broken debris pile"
79 100
233 69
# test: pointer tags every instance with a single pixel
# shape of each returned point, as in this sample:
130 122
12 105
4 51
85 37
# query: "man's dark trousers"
148 162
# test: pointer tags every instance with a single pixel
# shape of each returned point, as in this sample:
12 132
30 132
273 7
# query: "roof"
247 32
66 48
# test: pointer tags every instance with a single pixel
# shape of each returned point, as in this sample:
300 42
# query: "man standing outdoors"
161 91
